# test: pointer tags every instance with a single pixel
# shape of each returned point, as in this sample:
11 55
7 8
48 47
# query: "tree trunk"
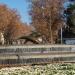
51 35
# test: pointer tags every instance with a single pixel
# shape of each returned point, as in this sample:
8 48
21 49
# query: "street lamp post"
61 36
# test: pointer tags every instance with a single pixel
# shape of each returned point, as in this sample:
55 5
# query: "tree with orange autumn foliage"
8 20
19 30
10 24
47 18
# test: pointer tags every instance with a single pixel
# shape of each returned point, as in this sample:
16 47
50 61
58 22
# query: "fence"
36 54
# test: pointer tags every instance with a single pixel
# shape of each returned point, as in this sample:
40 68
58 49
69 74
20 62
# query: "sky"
21 6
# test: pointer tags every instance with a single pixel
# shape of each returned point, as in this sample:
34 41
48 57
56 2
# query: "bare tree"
47 18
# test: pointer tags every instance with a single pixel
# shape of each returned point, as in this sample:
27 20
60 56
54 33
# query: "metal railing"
33 54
